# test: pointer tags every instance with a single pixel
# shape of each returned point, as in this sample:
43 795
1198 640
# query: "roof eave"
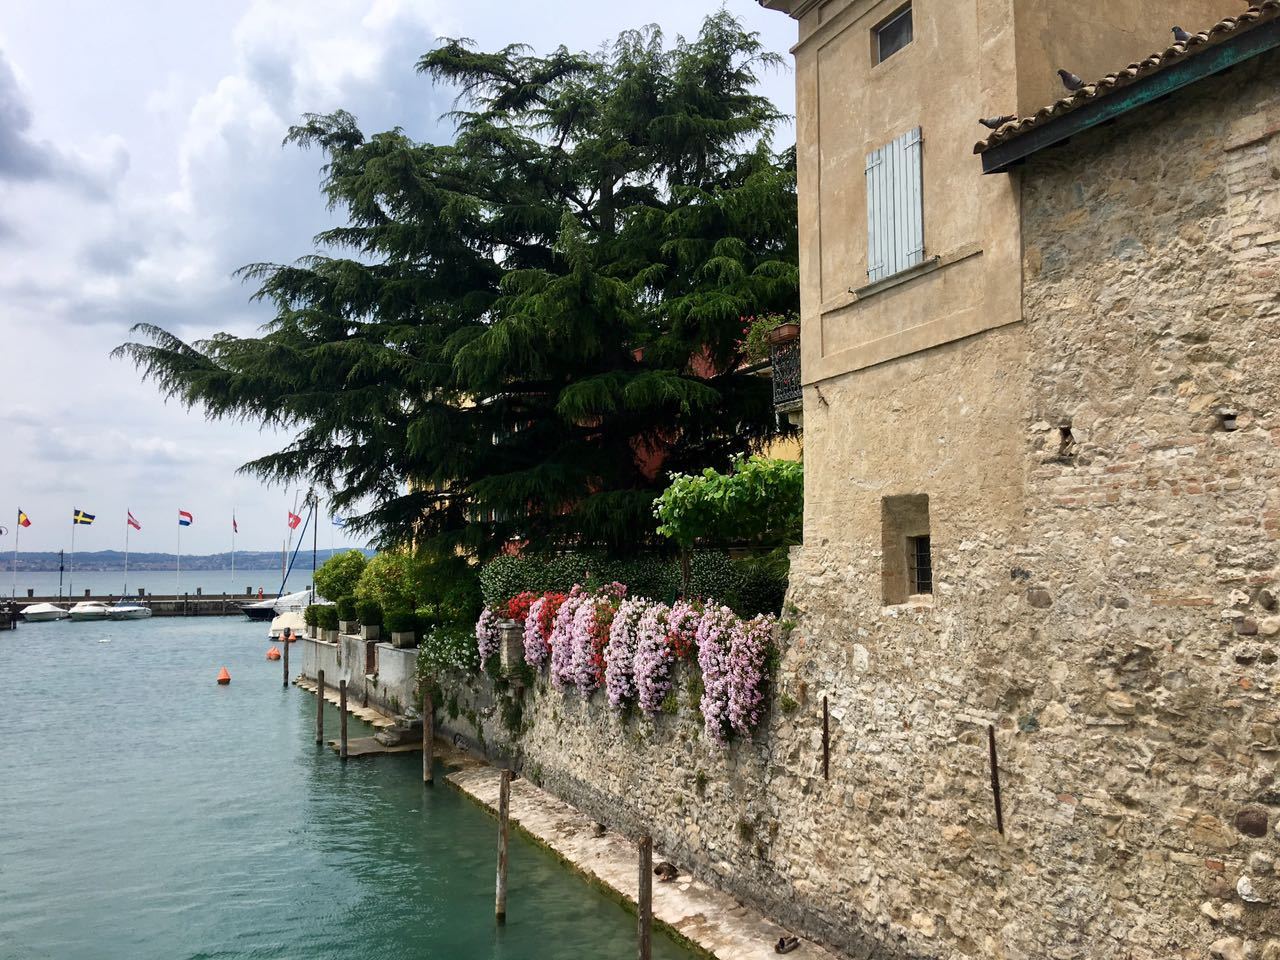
1223 56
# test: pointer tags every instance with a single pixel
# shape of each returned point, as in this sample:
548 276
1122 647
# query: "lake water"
159 582
148 814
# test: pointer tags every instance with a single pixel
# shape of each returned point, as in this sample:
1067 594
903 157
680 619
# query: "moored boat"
90 610
128 610
43 612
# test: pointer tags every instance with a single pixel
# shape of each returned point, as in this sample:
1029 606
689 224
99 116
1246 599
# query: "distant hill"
47 560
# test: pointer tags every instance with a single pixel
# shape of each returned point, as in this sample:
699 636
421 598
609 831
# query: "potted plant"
370 615
327 620
347 615
402 625
311 617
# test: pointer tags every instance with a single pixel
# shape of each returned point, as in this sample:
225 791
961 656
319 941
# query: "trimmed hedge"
347 608
369 613
750 586
400 621
327 617
311 615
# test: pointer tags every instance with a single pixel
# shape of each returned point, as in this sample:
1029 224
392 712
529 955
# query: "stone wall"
395 687
1104 506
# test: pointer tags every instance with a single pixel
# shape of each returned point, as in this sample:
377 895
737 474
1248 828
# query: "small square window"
892 35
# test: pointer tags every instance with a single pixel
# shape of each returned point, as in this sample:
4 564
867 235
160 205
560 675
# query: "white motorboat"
291 620
90 610
272 607
42 612
128 610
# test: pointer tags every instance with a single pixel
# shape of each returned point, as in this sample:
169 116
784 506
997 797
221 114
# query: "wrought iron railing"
785 359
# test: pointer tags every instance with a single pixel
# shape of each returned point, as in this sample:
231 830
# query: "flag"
294 520
184 518
132 522
339 521
235 527
23 519
79 516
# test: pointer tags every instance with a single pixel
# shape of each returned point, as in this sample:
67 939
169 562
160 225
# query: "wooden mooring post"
342 723
320 707
644 901
428 734
504 811
285 660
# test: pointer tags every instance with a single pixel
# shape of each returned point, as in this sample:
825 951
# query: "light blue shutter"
895 207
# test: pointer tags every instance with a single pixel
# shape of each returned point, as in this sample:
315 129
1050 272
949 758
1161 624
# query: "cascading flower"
620 652
749 643
654 657
517 608
586 656
714 635
682 629
538 624
561 638
487 634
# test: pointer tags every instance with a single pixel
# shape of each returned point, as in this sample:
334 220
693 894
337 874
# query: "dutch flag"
184 518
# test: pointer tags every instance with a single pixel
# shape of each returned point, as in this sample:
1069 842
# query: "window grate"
920 564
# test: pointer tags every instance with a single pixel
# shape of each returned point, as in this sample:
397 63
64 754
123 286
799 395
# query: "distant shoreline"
108 561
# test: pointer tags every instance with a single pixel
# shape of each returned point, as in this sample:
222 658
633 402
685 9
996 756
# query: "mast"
315 527
233 548
17 527
71 572
125 591
61 558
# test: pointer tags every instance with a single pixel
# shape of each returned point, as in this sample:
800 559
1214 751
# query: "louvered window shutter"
895 207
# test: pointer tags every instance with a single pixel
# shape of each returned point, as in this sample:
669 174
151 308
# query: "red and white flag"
184 518
133 521
235 527
294 520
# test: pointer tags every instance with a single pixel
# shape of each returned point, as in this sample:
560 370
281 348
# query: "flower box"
370 632
783 333
511 645
331 636
404 639
347 626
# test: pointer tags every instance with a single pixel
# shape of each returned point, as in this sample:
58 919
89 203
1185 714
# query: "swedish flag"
81 517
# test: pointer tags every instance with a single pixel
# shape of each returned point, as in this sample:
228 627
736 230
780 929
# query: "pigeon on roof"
995 123
1070 80
1180 35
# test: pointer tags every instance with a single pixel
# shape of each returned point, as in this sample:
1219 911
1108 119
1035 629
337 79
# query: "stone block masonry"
1103 484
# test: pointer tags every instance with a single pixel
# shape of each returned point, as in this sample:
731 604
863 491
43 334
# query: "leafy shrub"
369 613
760 583
761 502
756 330
400 621
338 576
311 615
327 617
346 608
388 580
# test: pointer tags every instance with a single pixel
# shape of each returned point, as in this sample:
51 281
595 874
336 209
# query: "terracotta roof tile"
1259 13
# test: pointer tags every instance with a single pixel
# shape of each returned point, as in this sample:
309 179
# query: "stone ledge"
710 920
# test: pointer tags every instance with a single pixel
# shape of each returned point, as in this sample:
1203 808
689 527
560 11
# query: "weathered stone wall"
1106 599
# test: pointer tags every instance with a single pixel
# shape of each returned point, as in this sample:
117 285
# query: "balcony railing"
785 359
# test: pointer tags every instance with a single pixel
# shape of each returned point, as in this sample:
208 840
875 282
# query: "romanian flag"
184 518
79 516
23 519
132 522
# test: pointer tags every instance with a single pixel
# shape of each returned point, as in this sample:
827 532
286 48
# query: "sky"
141 164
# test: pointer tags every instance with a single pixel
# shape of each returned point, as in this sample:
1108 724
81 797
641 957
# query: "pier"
162 605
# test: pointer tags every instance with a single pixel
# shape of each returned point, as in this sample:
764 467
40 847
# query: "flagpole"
233 550
177 587
17 529
125 589
71 572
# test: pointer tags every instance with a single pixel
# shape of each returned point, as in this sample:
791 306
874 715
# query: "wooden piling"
342 724
504 810
285 661
320 706
428 734
995 777
644 900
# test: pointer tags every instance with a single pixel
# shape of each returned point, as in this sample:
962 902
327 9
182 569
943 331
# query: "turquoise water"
146 812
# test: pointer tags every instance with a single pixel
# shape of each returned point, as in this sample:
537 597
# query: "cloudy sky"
141 163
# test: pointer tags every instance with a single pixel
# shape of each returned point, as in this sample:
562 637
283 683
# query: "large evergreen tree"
513 329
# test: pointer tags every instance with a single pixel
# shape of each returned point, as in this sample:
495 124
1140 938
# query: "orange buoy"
224 677
273 653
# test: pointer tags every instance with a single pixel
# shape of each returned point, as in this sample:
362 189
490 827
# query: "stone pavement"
368 714
711 920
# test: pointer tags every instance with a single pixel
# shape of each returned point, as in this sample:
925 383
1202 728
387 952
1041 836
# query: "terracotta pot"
783 333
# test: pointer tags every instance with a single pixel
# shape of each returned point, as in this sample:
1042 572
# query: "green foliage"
760 583
509 329
369 613
346 608
755 335
311 614
760 503
400 621
337 577
327 617
389 580
789 704
444 588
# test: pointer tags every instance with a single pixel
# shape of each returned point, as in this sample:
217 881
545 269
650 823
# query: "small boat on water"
292 620
90 610
43 612
128 610
273 607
